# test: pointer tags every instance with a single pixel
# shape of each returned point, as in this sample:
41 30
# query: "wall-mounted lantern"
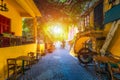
3 6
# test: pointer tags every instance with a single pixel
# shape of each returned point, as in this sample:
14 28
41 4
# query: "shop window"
4 24
27 30
4 28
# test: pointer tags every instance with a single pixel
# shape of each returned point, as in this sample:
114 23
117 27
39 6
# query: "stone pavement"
60 65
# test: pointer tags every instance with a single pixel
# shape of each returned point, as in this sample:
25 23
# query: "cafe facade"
11 17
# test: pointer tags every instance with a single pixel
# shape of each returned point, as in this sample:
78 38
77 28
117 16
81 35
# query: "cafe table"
106 59
23 59
111 61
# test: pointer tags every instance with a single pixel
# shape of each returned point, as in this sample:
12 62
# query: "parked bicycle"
85 54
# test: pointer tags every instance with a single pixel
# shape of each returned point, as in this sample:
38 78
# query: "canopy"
112 15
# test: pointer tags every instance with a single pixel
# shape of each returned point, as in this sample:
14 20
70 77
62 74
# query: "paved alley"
60 65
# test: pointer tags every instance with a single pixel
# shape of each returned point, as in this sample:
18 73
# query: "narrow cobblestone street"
60 39
60 65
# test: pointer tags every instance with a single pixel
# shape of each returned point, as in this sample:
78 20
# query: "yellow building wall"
114 46
16 19
107 6
115 43
107 28
12 52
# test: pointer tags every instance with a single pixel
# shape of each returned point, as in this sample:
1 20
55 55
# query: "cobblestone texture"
60 65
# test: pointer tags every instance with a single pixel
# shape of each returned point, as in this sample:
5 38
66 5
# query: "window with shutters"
98 16
4 24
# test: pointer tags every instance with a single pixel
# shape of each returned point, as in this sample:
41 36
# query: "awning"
112 15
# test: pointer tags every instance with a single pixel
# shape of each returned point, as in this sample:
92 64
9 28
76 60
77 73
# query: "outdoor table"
111 61
23 58
106 59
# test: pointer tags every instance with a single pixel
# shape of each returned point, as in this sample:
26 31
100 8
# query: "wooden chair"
31 54
13 69
114 68
113 65
33 58
25 66
101 63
